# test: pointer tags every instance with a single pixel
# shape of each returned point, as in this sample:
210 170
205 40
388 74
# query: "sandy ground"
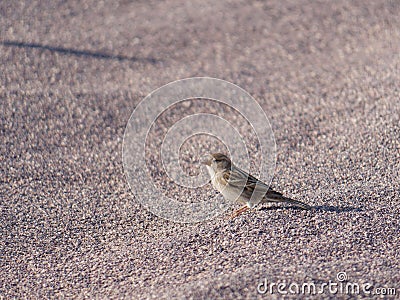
325 72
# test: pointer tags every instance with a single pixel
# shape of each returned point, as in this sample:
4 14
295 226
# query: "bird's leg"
238 212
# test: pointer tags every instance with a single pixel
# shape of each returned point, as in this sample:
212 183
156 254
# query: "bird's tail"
296 203
273 196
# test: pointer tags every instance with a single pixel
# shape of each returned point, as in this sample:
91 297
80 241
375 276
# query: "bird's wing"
246 182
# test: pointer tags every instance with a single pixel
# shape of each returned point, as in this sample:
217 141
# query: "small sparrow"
235 184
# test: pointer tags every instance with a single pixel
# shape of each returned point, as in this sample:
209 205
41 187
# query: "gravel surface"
327 74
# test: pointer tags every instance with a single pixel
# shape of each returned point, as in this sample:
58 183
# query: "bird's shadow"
321 208
76 52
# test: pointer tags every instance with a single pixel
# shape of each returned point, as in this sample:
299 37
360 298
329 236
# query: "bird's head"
217 162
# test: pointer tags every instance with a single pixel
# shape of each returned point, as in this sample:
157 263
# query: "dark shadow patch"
338 209
321 208
75 52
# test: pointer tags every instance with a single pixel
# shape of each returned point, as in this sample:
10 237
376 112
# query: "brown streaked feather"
246 182
237 179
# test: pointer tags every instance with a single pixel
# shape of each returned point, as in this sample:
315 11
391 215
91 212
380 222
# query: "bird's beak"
206 160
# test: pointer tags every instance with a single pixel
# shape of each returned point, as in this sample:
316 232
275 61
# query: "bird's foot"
238 212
